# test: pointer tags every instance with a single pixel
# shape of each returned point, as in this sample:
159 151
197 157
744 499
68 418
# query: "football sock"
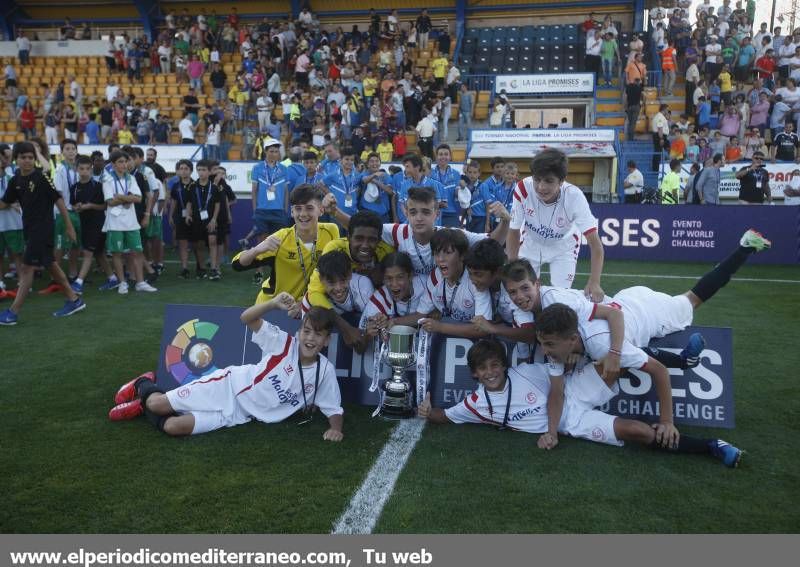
145 388
668 359
158 421
79 281
687 444
716 279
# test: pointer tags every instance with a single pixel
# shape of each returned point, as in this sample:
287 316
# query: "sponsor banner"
543 135
780 174
168 155
556 83
198 340
695 233
526 150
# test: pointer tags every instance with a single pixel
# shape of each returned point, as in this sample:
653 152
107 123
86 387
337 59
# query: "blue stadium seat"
512 40
498 41
524 68
512 50
526 39
500 32
495 69
555 34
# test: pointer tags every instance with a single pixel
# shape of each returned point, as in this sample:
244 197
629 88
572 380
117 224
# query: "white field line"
367 503
651 276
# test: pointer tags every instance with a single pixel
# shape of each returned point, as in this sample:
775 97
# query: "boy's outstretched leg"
751 242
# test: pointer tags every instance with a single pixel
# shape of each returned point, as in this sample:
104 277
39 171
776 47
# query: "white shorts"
562 269
584 390
651 314
211 401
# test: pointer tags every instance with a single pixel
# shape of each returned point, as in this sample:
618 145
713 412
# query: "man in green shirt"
671 184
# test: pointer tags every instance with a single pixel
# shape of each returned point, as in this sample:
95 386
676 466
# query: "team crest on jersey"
288 369
468 304
531 397
560 222
597 434
184 392
309 388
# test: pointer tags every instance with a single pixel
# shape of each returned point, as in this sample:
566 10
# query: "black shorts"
93 238
182 231
38 252
223 229
199 231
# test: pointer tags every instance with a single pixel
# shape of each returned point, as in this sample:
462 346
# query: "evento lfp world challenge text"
221 557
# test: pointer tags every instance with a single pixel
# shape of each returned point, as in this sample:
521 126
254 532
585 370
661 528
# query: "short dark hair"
304 193
116 155
185 162
400 260
309 156
368 219
422 194
497 161
413 159
66 142
372 155
557 319
449 238
321 320
550 161
443 147
22 148
488 254
673 163
204 163
631 163
518 270
97 153
334 265
718 157
485 350
83 160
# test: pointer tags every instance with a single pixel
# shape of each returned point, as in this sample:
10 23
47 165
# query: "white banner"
780 173
543 135
556 83
527 151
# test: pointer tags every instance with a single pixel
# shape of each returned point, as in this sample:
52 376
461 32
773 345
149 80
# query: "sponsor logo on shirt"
544 232
284 396
288 369
524 413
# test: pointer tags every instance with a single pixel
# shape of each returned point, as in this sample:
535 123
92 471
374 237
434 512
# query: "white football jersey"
271 390
460 302
550 230
382 302
360 291
64 178
527 412
400 236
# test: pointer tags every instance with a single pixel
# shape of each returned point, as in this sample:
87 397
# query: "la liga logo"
190 356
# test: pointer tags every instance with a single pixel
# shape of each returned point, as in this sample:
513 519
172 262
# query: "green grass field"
65 468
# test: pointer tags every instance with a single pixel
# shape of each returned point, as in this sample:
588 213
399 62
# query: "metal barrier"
479 82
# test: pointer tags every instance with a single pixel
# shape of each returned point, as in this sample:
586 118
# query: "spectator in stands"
187 129
633 184
609 54
594 44
52 120
195 69
426 128
659 126
633 106
754 182
191 105
668 67
424 27
753 142
466 105
733 151
23 48
67 31
75 90
785 145
636 69
27 120
10 75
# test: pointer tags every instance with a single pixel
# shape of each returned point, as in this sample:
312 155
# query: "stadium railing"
479 82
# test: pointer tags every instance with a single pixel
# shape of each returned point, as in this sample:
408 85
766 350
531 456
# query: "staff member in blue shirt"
449 179
343 182
381 203
270 194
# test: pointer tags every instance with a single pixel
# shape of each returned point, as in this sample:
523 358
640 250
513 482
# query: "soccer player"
345 291
397 301
364 249
11 236
202 212
66 176
179 195
292 253
33 190
549 217
301 379
87 200
517 398
450 291
574 396
121 191
146 181
484 262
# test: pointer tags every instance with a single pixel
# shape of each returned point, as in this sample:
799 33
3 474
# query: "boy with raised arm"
291 377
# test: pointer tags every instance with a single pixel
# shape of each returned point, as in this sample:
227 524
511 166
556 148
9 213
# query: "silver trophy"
398 395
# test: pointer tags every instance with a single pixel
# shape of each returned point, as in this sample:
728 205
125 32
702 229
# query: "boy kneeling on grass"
519 398
291 377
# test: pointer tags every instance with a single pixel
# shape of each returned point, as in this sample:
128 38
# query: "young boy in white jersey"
574 396
484 262
345 291
121 191
291 377
451 294
11 235
397 301
414 238
549 216
66 176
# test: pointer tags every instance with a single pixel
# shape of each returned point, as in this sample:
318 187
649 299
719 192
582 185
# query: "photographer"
754 182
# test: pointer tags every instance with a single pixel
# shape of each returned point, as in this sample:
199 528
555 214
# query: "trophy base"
396 414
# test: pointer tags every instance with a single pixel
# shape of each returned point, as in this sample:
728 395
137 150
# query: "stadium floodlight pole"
772 16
